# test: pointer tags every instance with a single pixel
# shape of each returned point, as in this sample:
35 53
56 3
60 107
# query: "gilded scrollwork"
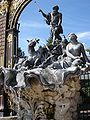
9 38
15 5
4 7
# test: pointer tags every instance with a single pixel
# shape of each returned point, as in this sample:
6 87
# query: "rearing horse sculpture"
33 55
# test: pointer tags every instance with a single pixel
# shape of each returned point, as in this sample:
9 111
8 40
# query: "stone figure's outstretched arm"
84 54
44 15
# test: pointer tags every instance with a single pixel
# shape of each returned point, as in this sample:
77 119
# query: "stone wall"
2 38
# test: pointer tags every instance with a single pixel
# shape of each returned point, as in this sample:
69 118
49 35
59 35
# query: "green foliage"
49 41
88 50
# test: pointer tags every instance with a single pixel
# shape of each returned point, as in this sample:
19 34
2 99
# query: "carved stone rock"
39 102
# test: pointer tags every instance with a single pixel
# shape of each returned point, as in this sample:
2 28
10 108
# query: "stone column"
12 47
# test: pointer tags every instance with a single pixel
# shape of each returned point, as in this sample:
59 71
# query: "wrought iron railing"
84 107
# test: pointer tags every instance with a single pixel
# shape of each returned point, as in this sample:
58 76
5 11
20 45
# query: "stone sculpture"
54 19
58 70
45 85
52 68
46 82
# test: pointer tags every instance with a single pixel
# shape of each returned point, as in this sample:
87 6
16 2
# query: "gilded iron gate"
84 107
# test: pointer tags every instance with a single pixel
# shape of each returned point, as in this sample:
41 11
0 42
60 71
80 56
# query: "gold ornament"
4 7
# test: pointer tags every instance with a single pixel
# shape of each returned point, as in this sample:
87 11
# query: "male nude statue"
54 19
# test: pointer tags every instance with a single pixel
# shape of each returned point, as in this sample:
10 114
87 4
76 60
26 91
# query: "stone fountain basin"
9 118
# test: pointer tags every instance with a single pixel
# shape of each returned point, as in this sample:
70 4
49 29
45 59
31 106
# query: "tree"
88 50
49 41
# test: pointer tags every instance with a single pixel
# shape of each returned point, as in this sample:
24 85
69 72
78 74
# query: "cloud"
84 35
84 38
33 24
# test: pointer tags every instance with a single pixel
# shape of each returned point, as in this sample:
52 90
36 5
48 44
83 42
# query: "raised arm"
44 15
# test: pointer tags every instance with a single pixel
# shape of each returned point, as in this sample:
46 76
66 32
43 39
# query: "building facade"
10 11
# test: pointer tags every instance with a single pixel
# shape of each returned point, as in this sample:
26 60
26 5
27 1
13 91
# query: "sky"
75 19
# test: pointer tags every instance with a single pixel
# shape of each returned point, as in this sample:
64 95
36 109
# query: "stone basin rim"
9 117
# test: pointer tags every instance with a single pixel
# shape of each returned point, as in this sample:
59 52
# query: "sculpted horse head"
31 44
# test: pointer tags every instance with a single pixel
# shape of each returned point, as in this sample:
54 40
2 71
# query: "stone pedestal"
37 102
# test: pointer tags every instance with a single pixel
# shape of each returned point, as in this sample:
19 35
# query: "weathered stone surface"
38 102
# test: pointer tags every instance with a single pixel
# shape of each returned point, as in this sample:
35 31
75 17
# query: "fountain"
43 89
45 85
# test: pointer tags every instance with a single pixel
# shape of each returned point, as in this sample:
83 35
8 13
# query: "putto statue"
54 19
